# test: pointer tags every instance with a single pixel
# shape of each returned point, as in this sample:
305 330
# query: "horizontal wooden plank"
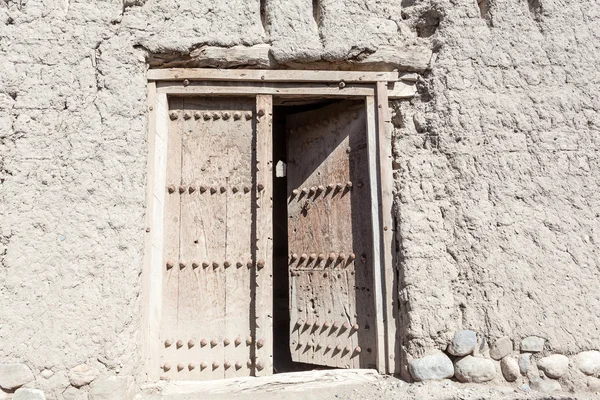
275 89
261 75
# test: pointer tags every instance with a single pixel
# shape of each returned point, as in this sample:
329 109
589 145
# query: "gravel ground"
362 388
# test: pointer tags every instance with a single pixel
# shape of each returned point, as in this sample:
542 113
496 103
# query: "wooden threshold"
286 382
261 75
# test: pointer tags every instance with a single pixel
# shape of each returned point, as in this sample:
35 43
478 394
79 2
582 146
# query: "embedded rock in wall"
463 343
554 366
593 384
14 375
430 367
72 393
474 369
524 362
112 388
501 348
510 368
47 373
532 344
29 394
545 385
588 362
82 375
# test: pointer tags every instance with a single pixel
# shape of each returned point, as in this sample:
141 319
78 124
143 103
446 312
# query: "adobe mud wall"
497 173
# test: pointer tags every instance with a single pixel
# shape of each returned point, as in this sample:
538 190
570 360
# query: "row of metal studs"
313 256
214 342
215 365
212 189
337 349
335 187
326 325
214 115
326 274
215 264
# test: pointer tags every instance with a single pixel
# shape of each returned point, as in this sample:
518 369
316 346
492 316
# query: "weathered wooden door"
217 241
329 234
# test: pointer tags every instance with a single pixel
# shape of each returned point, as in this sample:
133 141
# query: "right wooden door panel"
329 235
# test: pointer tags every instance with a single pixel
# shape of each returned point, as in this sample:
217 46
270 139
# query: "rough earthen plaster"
497 175
496 163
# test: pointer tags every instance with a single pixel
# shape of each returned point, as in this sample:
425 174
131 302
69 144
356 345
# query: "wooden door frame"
375 88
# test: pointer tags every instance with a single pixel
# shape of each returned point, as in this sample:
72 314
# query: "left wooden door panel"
209 261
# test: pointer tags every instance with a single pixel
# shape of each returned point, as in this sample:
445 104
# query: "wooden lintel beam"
274 89
261 75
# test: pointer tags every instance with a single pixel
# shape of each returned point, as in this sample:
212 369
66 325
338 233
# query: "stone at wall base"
524 363
474 369
533 344
588 362
112 388
82 375
593 384
545 385
501 348
463 343
510 368
431 367
14 375
72 393
554 366
29 394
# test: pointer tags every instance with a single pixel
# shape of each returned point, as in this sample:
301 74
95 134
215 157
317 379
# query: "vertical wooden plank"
208 147
386 185
372 144
171 231
157 267
195 298
238 167
149 352
264 236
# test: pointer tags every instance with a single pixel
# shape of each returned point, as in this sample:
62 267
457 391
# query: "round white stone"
510 368
29 394
588 362
474 369
463 343
501 348
431 367
554 366
533 344
82 375
14 375
545 385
